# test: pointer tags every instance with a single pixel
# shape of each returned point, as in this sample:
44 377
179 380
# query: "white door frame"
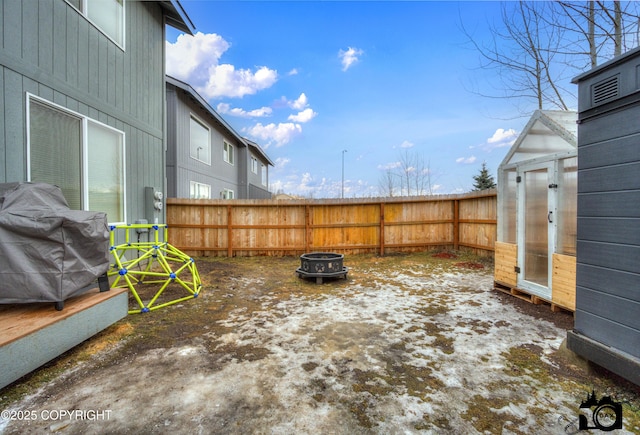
552 213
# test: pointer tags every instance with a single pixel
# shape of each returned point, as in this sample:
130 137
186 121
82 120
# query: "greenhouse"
535 256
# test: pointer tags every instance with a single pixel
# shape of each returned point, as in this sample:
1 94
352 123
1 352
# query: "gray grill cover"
48 252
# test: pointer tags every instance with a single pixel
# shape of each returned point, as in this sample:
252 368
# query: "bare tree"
409 176
609 28
387 183
522 53
539 46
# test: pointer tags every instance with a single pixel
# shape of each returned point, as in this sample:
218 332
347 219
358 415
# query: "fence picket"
349 226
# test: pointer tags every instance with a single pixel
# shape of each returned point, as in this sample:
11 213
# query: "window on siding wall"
200 142
105 183
70 150
254 165
106 15
227 152
227 194
263 171
199 190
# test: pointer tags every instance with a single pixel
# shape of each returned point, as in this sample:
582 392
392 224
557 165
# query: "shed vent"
605 90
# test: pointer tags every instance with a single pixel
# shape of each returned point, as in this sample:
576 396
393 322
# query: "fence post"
382 229
307 227
456 224
229 231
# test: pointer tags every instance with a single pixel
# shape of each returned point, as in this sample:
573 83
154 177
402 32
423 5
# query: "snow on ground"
422 350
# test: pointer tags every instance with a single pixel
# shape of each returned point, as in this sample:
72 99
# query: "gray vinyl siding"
182 168
171 168
49 49
257 192
608 240
256 189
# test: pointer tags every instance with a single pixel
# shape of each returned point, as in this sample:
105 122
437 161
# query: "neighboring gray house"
206 157
82 92
607 318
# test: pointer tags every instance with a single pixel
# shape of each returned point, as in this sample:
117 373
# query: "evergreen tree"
484 180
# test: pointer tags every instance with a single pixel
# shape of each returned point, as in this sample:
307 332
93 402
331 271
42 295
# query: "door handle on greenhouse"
549 215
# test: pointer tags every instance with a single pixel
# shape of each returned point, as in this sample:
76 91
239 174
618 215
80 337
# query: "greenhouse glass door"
537 228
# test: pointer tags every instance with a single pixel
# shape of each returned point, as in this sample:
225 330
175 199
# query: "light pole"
343 151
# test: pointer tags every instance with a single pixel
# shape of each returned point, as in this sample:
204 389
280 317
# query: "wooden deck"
33 334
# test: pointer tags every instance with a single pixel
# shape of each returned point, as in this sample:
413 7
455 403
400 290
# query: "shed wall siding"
50 50
608 253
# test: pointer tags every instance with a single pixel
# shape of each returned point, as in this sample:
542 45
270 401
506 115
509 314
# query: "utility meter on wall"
153 204
157 197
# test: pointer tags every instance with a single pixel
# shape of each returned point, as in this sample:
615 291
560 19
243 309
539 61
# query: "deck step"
34 334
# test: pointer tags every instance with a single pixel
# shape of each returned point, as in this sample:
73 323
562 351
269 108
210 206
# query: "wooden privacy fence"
203 227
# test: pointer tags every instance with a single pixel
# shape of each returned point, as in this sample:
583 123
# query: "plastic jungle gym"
155 262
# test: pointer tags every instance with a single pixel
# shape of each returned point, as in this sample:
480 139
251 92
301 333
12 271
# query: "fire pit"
320 265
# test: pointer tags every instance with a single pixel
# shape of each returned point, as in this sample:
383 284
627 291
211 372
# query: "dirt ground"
413 343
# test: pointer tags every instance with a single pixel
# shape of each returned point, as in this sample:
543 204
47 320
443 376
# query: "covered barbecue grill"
48 252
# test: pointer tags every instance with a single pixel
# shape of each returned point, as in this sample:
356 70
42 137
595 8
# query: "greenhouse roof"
547 132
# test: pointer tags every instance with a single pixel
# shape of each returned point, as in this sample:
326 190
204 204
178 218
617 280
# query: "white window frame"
228 152
84 11
263 174
201 123
227 194
196 186
84 151
254 165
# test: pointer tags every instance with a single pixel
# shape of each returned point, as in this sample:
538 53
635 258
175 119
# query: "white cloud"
195 60
225 108
390 166
466 160
406 144
226 81
501 138
307 185
190 57
300 103
305 116
293 72
274 134
281 162
349 56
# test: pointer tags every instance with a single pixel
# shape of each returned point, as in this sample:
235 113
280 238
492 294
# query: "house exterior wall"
257 190
182 169
50 50
607 321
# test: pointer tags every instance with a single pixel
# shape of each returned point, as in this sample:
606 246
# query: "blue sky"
307 80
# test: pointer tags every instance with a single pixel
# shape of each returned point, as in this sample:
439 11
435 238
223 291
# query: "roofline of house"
187 88
259 150
177 17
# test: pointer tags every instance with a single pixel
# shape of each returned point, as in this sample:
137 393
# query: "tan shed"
535 254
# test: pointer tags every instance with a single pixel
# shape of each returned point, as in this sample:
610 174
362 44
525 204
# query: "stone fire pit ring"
320 265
